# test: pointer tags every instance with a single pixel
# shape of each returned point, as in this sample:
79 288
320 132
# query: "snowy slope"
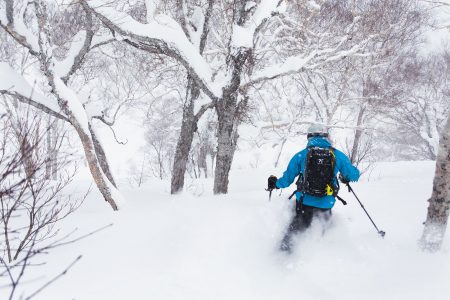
225 247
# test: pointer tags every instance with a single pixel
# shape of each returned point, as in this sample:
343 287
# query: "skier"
317 166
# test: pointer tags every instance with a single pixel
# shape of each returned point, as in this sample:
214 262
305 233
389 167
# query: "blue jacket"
297 166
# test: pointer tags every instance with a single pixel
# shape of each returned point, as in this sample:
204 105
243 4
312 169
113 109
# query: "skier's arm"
345 167
291 172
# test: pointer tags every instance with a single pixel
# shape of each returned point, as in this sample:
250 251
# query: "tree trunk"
228 113
279 153
357 139
189 123
51 164
88 141
100 178
26 149
101 156
201 160
48 162
184 143
227 137
23 134
439 203
54 153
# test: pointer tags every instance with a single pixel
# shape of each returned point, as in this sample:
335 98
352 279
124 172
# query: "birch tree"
439 203
28 24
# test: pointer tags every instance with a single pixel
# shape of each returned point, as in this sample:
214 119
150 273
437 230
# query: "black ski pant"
302 220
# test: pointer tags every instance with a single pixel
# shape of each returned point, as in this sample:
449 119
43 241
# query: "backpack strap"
299 184
340 199
336 191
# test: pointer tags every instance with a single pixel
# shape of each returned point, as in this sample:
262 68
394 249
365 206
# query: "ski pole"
380 232
270 193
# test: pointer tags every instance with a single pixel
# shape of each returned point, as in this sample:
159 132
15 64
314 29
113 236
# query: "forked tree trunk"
184 143
189 123
238 62
88 141
100 178
439 203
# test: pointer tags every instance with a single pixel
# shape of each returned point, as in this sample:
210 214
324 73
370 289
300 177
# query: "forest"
112 109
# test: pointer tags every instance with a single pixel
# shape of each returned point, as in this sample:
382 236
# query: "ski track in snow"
225 247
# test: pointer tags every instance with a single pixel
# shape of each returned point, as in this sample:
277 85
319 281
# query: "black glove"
272 182
343 179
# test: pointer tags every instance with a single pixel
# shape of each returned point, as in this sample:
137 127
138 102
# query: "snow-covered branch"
80 46
163 35
110 119
315 59
243 35
32 102
15 26
14 85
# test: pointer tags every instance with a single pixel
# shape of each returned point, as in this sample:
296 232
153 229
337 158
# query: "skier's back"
317 166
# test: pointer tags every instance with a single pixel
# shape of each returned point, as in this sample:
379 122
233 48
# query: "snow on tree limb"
296 64
64 67
243 35
163 35
13 84
15 26
80 46
30 101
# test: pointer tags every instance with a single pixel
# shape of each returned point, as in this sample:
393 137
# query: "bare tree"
161 130
421 102
31 206
399 32
29 24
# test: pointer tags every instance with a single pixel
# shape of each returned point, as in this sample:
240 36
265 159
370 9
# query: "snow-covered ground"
199 246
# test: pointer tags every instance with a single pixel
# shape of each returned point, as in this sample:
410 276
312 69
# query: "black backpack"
319 173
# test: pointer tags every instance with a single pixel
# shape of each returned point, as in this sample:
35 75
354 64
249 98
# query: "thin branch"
54 279
100 44
203 109
206 25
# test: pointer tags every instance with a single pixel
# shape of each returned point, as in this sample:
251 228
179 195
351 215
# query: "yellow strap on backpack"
329 190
